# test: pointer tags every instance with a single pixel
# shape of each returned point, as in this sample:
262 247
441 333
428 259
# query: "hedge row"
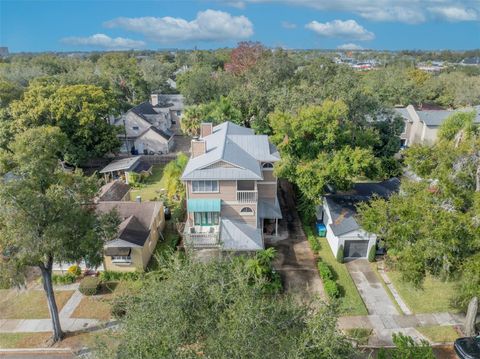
312 239
108 276
330 286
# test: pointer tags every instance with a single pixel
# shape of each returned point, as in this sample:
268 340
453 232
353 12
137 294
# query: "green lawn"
434 296
439 334
351 302
168 243
31 304
151 189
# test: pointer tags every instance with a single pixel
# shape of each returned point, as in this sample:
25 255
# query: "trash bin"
321 229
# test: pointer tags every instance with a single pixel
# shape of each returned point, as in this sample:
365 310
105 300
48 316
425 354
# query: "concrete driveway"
370 288
295 260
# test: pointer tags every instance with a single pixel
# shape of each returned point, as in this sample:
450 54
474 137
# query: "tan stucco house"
138 233
421 125
231 189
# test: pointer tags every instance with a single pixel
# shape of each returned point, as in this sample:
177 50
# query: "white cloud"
105 42
349 46
406 11
453 13
209 25
341 29
237 4
288 25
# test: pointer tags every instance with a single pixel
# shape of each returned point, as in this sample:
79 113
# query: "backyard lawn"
351 302
433 297
150 190
31 304
439 334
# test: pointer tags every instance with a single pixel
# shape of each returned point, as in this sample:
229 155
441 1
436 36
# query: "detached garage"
338 213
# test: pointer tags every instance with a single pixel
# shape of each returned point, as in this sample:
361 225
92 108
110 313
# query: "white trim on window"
267 166
205 186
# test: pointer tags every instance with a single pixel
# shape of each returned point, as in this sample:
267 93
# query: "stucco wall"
151 141
227 191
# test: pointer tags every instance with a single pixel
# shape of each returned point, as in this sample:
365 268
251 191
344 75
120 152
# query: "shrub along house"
338 213
138 233
231 189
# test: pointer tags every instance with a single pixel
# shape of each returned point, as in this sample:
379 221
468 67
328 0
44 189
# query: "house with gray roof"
149 127
338 213
421 125
231 189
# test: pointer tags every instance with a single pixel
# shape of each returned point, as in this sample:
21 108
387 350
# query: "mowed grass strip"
439 334
93 308
433 297
351 302
31 304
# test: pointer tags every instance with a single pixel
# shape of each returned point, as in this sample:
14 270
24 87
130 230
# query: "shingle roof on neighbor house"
131 233
113 191
435 117
145 212
237 146
342 206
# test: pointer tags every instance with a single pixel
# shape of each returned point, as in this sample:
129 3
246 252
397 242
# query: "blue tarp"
204 205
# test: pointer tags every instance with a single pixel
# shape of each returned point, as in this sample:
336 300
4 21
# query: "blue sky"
326 24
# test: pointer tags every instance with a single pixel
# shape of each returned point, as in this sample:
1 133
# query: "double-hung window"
204 186
206 218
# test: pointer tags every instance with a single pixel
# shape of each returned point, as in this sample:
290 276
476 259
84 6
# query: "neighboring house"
421 126
231 189
121 169
149 127
338 215
114 191
138 233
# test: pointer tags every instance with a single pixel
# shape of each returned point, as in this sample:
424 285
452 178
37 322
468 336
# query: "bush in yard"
331 289
324 270
89 285
340 254
75 270
372 253
109 276
314 243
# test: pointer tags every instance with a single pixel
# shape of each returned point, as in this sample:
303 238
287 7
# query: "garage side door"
356 249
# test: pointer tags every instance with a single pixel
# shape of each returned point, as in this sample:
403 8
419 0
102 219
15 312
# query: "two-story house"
231 189
149 127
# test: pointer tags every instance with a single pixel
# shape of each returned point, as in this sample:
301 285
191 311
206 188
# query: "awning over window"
117 251
204 205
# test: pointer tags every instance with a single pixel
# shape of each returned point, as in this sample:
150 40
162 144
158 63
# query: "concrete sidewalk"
385 325
45 325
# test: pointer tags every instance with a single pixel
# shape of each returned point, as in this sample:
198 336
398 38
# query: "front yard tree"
45 216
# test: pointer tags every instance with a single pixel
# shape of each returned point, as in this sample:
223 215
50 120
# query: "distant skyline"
71 25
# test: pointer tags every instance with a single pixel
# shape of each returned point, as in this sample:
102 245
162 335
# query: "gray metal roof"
269 208
125 164
238 236
236 145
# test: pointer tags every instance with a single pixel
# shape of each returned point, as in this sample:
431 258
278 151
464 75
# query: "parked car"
468 347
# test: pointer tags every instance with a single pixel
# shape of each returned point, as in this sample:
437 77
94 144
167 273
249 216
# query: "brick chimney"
206 128
154 99
198 148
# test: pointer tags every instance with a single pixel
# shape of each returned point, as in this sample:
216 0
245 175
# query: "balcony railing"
202 237
247 196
